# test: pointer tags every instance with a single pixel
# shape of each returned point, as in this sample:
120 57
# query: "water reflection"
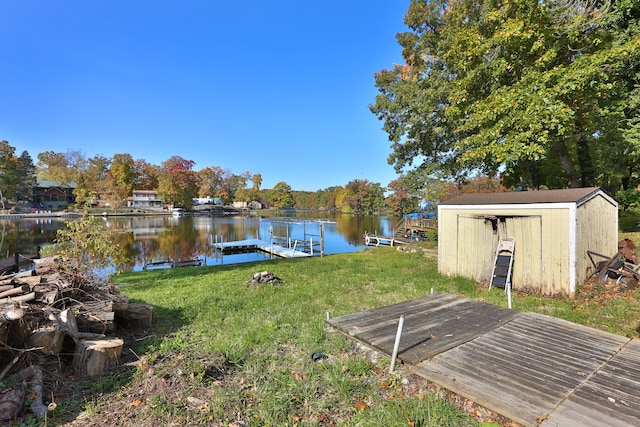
156 238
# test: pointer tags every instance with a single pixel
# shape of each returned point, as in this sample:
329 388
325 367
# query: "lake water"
158 238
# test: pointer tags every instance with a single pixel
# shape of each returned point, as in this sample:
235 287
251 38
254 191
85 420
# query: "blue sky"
279 88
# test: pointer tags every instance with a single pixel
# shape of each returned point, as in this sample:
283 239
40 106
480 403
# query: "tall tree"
146 175
281 196
214 182
514 86
178 183
403 198
26 176
123 172
361 196
15 172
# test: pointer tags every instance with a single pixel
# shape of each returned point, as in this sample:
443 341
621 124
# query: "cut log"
6 287
96 317
21 298
93 357
137 316
15 291
120 303
19 331
48 339
31 280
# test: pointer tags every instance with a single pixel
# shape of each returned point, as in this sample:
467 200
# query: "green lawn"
243 352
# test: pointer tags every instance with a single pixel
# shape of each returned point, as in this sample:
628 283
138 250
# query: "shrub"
629 220
87 251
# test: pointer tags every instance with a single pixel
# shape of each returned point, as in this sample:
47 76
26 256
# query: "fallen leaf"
361 405
136 403
409 422
541 418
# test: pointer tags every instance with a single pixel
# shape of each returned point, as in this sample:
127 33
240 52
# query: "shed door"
527 259
476 246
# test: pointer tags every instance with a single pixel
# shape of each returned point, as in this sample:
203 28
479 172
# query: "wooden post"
322 239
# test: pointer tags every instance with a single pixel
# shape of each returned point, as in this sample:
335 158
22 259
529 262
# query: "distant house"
254 204
207 201
49 194
145 199
257 204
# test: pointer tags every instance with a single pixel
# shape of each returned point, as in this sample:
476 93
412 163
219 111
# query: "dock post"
311 244
322 239
396 345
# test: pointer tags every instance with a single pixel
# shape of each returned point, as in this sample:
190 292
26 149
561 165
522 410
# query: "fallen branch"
33 374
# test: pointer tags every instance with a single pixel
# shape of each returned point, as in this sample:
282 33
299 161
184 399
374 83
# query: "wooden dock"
16 262
531 368
253 245
375 240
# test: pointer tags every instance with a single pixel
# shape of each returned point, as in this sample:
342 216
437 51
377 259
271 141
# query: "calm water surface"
157 238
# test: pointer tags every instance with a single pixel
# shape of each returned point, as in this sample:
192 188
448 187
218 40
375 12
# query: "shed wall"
596 231
542 235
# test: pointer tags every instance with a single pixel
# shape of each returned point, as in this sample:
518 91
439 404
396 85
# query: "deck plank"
610 397
532 368
528 380
432 324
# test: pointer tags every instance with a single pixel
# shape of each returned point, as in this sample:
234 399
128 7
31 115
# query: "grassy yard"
228 353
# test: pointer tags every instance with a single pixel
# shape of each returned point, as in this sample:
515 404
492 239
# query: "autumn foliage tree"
177 182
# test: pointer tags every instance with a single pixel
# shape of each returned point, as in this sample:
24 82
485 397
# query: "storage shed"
553 232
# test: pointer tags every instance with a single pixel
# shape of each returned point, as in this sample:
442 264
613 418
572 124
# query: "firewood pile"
45 315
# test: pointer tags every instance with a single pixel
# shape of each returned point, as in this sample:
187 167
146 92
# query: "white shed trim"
573 237
509 207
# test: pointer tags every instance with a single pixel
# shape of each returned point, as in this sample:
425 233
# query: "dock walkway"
252 245
531 368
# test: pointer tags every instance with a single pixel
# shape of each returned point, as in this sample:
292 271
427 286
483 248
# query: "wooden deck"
531 368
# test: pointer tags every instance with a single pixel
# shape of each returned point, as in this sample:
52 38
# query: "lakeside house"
145 199
50 194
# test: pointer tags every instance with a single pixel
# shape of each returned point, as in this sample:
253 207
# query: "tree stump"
48 339
93 357
136 316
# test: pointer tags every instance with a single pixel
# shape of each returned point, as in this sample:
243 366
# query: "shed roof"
569 195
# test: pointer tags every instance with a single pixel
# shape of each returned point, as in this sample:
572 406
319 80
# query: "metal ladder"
503 264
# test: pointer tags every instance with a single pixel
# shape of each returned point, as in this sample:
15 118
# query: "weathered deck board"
525 368
432 324
610 397
532 368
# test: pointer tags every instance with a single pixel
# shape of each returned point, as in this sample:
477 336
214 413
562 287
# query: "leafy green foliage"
15 172
281 196
87 251
547 98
